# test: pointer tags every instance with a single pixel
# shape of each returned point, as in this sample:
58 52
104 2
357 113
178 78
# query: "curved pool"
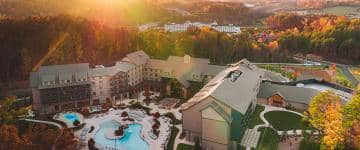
131 140
71 117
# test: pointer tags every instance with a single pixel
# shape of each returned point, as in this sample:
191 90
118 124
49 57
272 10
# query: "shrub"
128 119
91 129
91 144
119 131
76 123
173 118
156 115
85 112
155 126
156 132
182 135
79 127
124 114
157 122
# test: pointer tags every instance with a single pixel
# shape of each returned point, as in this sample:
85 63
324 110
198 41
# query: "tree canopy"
9 114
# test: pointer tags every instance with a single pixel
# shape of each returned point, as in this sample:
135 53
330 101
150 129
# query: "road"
344 68
180 11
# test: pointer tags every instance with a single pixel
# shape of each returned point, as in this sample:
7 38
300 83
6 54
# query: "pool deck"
146 121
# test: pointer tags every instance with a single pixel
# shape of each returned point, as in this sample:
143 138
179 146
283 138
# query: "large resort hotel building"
59 87
172 27
218 114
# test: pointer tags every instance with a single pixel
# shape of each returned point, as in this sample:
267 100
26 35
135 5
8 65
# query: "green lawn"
255 117
309 145
282 120
183 146
269 139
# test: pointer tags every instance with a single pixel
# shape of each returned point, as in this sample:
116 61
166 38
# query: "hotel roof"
235 86
289 93
110 71
58 72
138 57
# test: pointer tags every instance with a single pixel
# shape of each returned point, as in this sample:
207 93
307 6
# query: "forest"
25 41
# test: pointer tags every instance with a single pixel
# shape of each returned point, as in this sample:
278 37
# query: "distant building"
219 113
59 87
172 27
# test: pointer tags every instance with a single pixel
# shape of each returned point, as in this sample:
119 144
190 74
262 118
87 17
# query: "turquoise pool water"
71 117
131 140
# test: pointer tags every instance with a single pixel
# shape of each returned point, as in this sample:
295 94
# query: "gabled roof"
183 68
120 66
58 72
289 93
138 57
219 110
237 92
68 68
156 64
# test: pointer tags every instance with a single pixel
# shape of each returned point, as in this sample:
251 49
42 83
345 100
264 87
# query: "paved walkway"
252 136
41 121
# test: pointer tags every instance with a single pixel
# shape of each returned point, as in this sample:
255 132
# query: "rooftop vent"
99 66
234 75
187 59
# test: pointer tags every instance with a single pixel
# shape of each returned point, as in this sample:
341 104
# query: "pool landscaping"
69 118
130 140
138 133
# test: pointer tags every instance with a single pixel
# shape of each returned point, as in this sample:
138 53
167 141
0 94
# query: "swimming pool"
71 117
131 140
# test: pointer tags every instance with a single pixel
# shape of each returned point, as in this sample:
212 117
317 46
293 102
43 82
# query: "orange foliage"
334 131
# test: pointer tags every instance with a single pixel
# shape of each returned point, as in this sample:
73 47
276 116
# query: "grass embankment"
183 146
342 79
269 139
309 145
356 72
255 117
283 121
174 132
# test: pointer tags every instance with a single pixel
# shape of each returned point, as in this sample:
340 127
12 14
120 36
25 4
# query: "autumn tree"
40 137
9 138
351 119
333 128
318 106
66 140
285 21
8 113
